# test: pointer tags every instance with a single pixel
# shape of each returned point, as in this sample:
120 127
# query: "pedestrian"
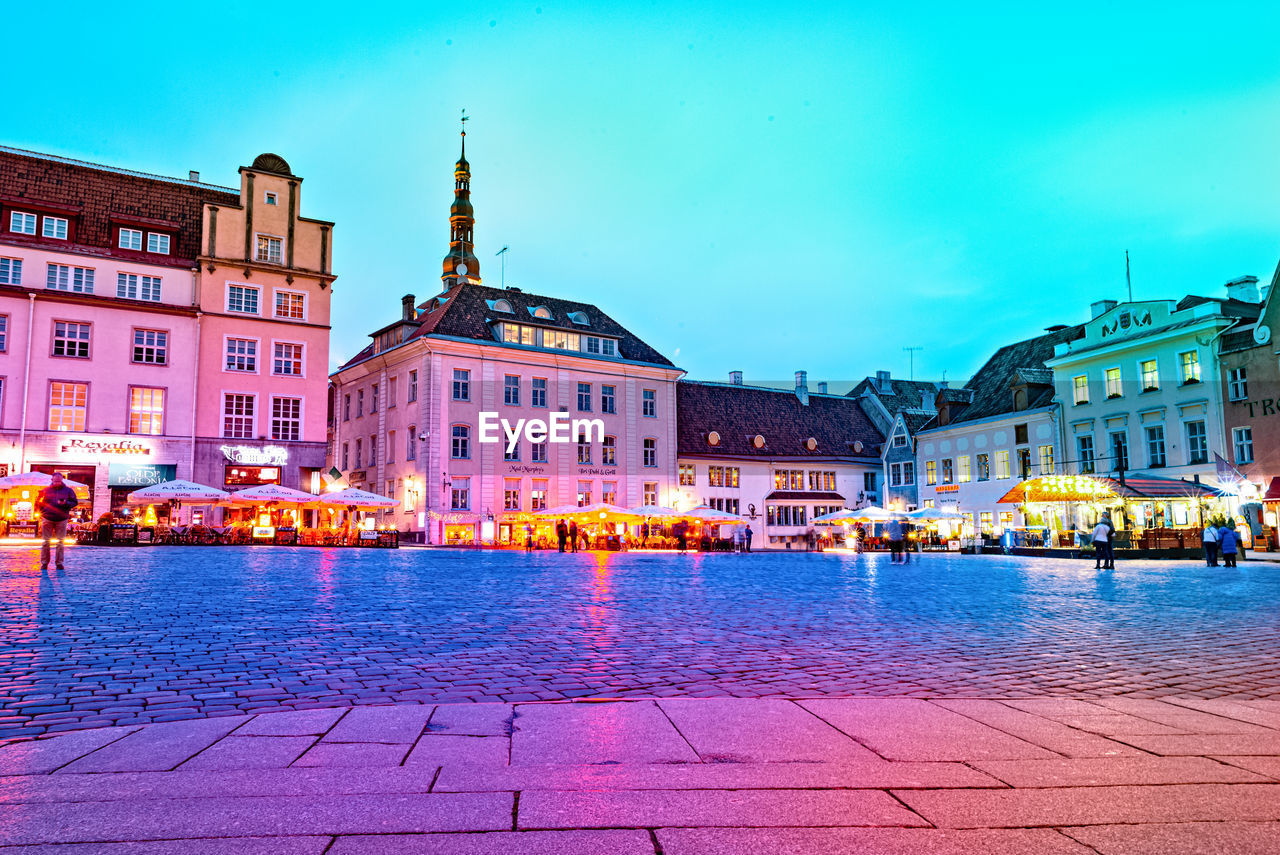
1230 541
573 535
893 533
908 532
1210 540
811 540
747 538
562 533
682 535
55 504
1102 556
528 537
586 538
644 534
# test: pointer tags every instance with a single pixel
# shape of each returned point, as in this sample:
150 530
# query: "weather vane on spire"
464 121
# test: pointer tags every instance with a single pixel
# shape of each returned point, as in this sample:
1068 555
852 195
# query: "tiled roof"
465 313
94 194
1237 340
916 420
804 496
1230 307
903 394
738 413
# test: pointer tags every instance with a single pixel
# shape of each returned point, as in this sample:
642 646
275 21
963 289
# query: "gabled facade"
899 408
1249 380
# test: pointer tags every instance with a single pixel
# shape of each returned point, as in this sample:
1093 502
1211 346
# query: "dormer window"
541 312
22 223
131 239
579 318
55 227
157 243
500 306
1020 398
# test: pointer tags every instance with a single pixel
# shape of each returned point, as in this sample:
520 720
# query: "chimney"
1243 288
822 388
735 377
802 387
883 386
1100 308
192 175
406 307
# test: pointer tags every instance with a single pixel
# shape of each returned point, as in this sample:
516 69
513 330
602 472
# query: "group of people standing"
1221 539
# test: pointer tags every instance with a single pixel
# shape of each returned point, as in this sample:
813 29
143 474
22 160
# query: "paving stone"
397 724
353 755
1268 766
224 846
855 841
705 808
1024 808
1112 771
472 719
500 843
250 752
910 729
441 749
156 747
748 730
299 723
1045 732
38 756
1208 744
577 734
1192 838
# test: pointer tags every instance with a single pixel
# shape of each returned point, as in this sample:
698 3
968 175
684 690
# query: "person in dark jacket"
55 504
562 533
746 535
573 535
1230 542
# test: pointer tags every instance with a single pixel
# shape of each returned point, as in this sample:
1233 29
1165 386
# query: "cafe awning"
1091 488
1273 491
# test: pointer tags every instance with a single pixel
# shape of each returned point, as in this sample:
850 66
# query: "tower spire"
461 265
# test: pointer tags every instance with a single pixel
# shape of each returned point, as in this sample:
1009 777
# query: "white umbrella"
871 513
934 514
353 498
708 514
653 511
176 491
269 494
37 481
841 516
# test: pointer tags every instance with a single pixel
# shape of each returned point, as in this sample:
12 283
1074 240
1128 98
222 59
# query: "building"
410 408
114 312
778 457
899 409
1249 380
1000 428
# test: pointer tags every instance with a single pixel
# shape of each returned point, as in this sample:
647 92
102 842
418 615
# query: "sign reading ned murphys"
247 455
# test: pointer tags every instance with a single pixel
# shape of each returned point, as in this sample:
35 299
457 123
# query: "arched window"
461 442
1019 399
579 318
541 312
502 306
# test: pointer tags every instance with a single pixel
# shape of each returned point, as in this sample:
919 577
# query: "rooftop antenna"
502 253
911 351
1127 280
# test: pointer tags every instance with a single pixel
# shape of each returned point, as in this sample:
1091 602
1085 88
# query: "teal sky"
745 186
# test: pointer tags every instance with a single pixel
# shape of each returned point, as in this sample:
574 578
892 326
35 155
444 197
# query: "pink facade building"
408 408
153 328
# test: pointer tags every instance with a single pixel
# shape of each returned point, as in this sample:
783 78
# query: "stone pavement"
663 777
133 636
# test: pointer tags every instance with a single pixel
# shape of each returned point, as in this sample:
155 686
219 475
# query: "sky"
750 186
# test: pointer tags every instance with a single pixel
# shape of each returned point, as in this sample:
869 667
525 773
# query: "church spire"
462 223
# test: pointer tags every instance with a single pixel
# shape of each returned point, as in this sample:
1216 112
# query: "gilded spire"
461 224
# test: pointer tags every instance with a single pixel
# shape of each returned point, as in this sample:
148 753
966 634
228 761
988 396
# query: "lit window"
1113 383
542 312
1080 387
23 224
237 416
54 227
287 361
68 403
286 419
269 249
243 299
146 411
291 306
151 347
10 271
157 243
609 451
63 277
584 450
946 471
963 473
609 492
930 472
538 495
687 471
1150 377
1002 465
1046 460
511 494
71 339
1190 362
130 239
650 492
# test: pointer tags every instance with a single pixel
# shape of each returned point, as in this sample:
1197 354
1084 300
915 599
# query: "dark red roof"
95 195
1151 487
1273 491
738 413
804 496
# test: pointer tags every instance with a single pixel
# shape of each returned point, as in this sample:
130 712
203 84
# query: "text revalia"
560 430
93 446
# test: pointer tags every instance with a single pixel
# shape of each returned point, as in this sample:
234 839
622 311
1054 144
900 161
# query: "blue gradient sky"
743 185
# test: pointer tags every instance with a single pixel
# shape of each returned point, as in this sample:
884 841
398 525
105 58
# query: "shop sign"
93 448
596 470
947 488
140 474
247 455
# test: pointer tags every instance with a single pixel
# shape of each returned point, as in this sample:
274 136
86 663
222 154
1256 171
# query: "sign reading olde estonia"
140 474
94 448
247 455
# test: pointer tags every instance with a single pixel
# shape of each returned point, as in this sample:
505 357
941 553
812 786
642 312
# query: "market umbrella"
871 513
596 512
843 515
706 514
177 491
934 514
353 498
274 494
654 511
38 481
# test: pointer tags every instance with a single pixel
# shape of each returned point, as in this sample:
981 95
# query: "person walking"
1210 540
682 535
562 533
1230 542
573 535
644 534
528 537
55 504
893 534
1102 544
746 535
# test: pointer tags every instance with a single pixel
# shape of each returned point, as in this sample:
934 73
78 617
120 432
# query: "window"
373 399
963 473
1024 463
55 227
242 299
609 492
610 347
1002 465
1084 454
373 450
984 467
146 410
286 419
593 344
242 355
687 474
359 403
63 277
461 446
510 452
511 390
71 339
650 492
609 451
538 452
151 347
346 456
584 397
269 249
291 306
1242 441
237 419
1046 460
584 493
608 399
788 479
1190 364
23 224
413 386
649 453
518 334
1155 446
411 443
461 384
538 495
1197 442
269 198
10 271
785 515
1113 383
460 494
131 239
719 476
391 446
649 403
287 362
511 494
902 474
1150 377
948 474
538 393
359 453
557 340
899 440
1080 389
157 243
1237 384
68 403
930 472
346 407
1119 451
584 450
392 383
4 333
131 286
1020 434
822 480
